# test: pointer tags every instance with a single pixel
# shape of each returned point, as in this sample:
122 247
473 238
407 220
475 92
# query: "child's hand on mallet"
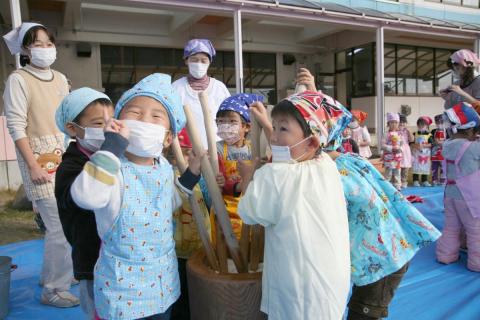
194 161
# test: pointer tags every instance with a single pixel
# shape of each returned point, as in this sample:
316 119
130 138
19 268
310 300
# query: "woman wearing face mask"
198 55
466 87
31 97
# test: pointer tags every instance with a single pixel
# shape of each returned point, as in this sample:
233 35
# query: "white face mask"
145 139
353 124
230 133
93 138
198 70
43 57
283 153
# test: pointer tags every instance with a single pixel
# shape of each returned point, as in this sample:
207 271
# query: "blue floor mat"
429 291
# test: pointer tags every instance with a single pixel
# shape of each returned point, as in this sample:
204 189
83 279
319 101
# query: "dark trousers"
181 308
160 316
371 301
420 177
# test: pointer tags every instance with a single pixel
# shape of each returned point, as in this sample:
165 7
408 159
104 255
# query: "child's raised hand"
246 169
259 112
114 125
194 161
220 180
306 78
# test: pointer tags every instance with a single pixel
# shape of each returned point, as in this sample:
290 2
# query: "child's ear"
70 128
314 143
168 140
247 126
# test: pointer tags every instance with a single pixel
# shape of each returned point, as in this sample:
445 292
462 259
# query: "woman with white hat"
32 95
198 55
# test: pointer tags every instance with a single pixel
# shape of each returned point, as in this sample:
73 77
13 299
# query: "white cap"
14 38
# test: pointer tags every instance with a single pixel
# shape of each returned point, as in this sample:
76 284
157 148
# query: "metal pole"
16 22
237 26
380 110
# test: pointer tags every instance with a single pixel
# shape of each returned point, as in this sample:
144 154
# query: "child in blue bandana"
131 188
81 117
233 125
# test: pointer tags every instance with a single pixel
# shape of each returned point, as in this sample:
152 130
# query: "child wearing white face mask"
80 116
299 200
131 188
233 123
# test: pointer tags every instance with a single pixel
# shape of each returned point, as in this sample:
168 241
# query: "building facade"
110 45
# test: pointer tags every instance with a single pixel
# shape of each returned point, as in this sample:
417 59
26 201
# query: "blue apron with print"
136 274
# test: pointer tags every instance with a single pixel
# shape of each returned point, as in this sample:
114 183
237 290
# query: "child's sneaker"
416 184
404 185
62 299
427 184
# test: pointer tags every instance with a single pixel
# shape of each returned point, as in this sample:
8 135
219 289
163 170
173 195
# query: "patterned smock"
385 229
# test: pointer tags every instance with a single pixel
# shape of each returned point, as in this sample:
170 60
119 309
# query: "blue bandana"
159 87
240 103
74 103
195 46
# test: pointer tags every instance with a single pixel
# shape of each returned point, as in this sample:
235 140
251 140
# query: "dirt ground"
15 225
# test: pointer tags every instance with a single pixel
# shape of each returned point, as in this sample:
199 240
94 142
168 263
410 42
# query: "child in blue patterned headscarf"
233 125
131 188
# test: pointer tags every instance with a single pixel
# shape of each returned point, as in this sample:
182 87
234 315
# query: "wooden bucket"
219 296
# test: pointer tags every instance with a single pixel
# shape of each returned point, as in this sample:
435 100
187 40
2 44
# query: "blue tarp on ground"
430 291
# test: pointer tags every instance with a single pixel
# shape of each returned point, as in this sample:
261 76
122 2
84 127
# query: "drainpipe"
237 26
380 87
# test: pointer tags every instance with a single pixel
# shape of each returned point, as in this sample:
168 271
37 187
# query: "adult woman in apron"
32 95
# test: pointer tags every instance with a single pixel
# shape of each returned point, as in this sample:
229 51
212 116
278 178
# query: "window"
443 75
406 71
362 71
124 66
409 70
425 70
390 57
465 3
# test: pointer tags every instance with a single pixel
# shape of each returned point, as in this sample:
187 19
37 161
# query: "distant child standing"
438 172
360 133
407 138
392 150
462 201
349 145
421 152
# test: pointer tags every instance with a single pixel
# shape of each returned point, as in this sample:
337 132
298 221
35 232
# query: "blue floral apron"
136 274
385 229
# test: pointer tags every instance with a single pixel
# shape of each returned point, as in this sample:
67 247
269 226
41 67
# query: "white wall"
83 72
